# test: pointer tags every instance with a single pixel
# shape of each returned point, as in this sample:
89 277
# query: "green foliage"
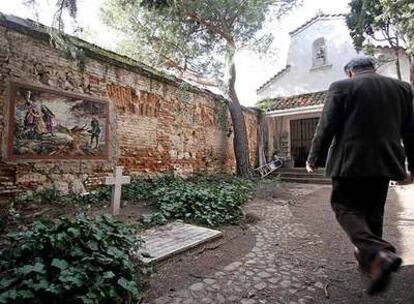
377 20
101 195
211 201
9 218
72 261
58 38
49 195
401 13
141 189
190 36
222 115
362 21
53 196
184 94
264 104
68 47
198 40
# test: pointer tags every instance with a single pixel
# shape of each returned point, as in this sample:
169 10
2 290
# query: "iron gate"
301 134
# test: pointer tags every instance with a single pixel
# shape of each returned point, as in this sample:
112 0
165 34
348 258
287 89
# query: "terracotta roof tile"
297 101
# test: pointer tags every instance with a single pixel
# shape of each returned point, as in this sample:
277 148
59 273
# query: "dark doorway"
301 134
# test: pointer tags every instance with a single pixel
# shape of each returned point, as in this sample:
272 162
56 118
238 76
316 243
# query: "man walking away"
363 121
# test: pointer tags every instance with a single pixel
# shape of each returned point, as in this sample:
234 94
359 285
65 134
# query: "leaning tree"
199 41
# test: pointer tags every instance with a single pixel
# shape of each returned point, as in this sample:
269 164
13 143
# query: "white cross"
117 180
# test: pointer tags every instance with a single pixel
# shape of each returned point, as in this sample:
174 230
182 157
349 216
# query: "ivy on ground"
79 260
53 196
206 200
211 201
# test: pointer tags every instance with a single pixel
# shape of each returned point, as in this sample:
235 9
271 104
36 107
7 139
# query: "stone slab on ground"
174 238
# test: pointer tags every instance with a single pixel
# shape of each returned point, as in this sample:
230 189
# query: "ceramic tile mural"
50 124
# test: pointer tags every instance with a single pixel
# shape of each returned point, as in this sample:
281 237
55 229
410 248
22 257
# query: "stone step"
302 175
299 175
301 170
318 181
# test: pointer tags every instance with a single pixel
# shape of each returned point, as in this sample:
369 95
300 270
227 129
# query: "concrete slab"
174 238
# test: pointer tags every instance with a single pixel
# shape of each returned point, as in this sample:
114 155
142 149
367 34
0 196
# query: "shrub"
9 218
142 189
206 200
72 261
50 195
53 196
139 189
101 195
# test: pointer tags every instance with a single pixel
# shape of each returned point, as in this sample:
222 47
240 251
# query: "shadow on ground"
344 283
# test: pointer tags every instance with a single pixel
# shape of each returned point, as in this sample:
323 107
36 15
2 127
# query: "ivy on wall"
184 91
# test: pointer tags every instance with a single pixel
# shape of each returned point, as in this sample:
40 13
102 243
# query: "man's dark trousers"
363 122
358 204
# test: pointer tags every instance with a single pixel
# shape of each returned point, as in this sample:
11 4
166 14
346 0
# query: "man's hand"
310 167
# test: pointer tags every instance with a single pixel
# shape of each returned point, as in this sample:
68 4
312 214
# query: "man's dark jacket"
363 122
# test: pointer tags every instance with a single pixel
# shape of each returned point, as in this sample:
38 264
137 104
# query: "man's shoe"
362 265
384 264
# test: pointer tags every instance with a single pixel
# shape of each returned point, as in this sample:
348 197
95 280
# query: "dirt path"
295 253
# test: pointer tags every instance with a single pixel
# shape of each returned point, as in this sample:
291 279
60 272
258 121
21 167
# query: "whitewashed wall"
302 78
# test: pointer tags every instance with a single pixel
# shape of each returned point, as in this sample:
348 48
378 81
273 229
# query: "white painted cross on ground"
117 180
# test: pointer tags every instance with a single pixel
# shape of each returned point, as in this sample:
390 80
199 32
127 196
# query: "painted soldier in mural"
95 132
48 119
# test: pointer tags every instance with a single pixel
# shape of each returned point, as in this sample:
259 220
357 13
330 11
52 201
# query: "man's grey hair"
361 63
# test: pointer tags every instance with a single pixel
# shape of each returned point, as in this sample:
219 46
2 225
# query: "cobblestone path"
301 256
275 271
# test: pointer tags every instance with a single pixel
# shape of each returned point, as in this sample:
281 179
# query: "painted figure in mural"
40 125
95 132
54 124
31 113
48 119
33 122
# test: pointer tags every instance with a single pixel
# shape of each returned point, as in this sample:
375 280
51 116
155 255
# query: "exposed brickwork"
153 128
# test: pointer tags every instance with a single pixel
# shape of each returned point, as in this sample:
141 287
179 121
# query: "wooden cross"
117 180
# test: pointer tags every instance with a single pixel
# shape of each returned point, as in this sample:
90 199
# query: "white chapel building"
294 96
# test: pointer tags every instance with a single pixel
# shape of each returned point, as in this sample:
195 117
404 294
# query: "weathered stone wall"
156 127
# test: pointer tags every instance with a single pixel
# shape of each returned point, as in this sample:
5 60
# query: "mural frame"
13 88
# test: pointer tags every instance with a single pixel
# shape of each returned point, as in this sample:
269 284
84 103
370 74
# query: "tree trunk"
411 60
398 62
261 135
240 141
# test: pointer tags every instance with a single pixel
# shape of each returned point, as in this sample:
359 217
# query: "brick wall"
155 127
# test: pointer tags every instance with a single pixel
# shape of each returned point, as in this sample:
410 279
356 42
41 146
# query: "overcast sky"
253 69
